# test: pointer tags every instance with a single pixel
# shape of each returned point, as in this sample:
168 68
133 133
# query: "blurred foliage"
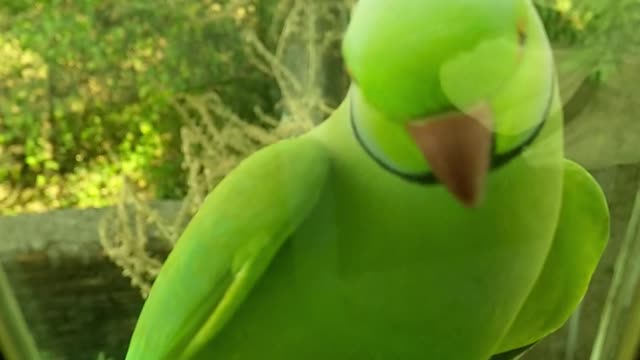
88 87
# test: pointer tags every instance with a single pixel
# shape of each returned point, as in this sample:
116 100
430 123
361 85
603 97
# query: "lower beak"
457 147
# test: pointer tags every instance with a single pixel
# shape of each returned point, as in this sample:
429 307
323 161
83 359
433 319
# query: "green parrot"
431 216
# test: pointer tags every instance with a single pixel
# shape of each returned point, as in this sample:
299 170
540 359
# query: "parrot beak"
457 147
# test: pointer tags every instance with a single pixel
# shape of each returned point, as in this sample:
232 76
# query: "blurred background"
117 117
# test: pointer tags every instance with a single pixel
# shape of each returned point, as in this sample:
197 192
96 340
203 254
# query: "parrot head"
445 87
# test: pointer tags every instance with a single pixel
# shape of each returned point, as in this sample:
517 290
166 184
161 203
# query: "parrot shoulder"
226 247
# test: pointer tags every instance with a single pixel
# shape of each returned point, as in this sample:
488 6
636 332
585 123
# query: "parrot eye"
522 35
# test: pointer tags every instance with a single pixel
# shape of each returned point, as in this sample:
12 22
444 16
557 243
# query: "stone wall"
74 299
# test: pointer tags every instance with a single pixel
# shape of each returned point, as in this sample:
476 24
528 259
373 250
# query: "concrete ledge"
75 301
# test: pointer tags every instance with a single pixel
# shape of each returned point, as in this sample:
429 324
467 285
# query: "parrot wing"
227 246
580 239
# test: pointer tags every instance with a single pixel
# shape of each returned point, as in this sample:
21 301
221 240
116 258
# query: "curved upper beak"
457 147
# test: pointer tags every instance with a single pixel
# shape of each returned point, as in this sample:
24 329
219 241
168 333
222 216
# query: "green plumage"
311 249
